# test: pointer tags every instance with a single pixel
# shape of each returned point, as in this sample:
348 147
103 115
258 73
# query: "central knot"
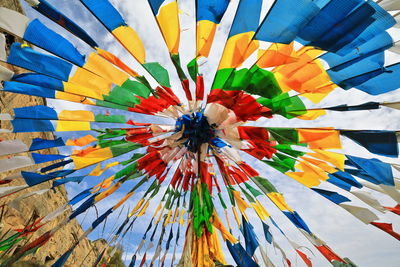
195 129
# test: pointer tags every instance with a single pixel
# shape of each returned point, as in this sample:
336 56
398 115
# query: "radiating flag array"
273 63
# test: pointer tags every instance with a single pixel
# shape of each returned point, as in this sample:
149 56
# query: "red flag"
176 178
388 228
243 105
305 258
205 175
394 209
4 181
131 122
199 88
329 254
248 170
143 260
185 85
186 180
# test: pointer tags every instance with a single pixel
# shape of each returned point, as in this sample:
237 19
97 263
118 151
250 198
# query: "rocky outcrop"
39 205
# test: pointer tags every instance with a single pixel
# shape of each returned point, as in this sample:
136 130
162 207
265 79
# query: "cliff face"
39 205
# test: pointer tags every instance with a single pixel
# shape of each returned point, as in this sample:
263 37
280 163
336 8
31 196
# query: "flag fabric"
132 134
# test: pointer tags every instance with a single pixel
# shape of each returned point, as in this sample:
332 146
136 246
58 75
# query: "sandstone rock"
40 205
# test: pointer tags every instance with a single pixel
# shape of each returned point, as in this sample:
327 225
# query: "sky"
364 245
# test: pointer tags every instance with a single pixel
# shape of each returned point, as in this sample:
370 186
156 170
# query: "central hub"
195 130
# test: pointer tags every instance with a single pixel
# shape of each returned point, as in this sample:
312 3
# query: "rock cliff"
39 205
